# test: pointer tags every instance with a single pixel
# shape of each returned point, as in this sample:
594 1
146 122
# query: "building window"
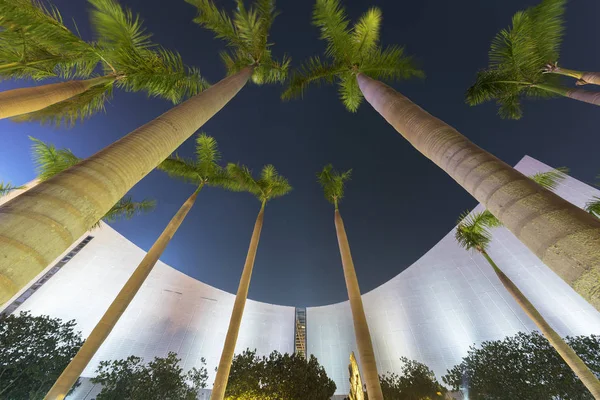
51 272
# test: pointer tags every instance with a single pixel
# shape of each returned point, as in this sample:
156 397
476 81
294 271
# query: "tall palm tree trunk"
110 318
583 78
564 237
37 227
575 94
218 391
17 192
22 101
361 328
586 376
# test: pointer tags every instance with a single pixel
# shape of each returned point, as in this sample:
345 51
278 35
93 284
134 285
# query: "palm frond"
35 43
348 53
312 72
158 72
518 55
210 17
208 155
243 176
181 168
548 28
117 27
365 33
246 32
49 160
473 230
330 17
204 170
550 180
390 64
126 208
77 108
350 92
272 184
509 107
6 188
333 183
593 207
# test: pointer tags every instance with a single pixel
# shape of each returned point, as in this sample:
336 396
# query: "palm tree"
51 161
473 233
78 199
593 207
6 188
562 235
519 58
269 186
350 52
36 44
333 184
204 171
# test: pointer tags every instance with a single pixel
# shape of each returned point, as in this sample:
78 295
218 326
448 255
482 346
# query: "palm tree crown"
6 188
517 58
129 60
34 43
270 185
204 170
333 183
473 230
246 33
593 207
350 50
51 161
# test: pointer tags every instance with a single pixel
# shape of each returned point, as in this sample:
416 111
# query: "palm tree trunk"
22 101
583 78
110 318
71 202
564 237
575 94
17 192
586 376
361 328
218 391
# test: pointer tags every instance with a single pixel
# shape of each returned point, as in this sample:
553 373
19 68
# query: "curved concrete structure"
432 312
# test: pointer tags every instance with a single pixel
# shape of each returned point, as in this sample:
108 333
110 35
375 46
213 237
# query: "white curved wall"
432 312
171 312
450 299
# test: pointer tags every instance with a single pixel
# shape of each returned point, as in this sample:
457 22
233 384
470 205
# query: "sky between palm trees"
298 260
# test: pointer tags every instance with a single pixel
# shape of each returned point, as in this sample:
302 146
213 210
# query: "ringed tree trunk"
563 236
17 192
40 224
361 328
583 78
22 101
110 318
575 94
220 385
576 364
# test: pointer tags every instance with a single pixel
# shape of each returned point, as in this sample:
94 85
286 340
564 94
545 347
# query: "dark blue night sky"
398 204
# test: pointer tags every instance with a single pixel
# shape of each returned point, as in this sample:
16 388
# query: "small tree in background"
278 376
33 353
161 379
524 366
416 382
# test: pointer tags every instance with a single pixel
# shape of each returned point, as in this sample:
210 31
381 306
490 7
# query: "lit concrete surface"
432 312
